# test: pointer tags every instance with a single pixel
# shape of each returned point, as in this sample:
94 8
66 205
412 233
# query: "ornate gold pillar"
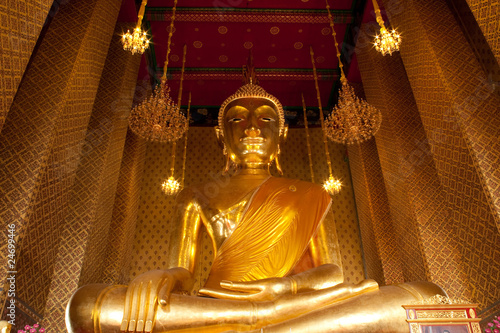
41 142
381 252
405 225
487 14
383 260
82 249
20 25
460 115
416 172
123 222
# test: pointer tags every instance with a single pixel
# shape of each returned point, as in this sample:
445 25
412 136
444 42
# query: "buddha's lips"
254 140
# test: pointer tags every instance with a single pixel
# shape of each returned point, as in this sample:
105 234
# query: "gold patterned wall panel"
455 105
417 173
205 161
487 14
43 136
20 24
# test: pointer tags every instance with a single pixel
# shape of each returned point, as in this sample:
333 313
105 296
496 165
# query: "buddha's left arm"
324 247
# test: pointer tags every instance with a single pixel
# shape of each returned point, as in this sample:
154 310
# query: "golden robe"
274 232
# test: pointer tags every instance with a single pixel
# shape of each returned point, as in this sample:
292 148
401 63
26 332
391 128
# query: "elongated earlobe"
228 161
276 159
284 133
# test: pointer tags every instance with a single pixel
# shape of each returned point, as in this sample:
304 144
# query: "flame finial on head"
251 89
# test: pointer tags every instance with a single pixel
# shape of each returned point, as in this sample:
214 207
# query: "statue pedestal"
442 318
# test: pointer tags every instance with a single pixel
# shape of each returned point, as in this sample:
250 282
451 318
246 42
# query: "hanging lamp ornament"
307 139
137 41
171 186
186 140
330 185
352 120
158 119
388 41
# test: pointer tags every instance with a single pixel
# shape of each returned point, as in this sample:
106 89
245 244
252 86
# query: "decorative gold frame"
440 318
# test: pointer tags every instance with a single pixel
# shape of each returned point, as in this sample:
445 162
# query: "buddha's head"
251 126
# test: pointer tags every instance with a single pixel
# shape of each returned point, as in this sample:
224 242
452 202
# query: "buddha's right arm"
184 231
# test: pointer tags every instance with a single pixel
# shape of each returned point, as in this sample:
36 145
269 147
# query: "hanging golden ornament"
158 119
388 41
186 141
171 186
307 139
137 41
332 185
352 120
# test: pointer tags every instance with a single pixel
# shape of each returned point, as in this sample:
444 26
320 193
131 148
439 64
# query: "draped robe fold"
275 230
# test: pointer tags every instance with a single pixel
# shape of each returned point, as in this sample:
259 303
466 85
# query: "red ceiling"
220 33
252 4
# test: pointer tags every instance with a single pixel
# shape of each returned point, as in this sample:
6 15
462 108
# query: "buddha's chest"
222 217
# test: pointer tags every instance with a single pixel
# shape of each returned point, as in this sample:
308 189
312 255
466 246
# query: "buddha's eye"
235 120
267 119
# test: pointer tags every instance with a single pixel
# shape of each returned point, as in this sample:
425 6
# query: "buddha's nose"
252 132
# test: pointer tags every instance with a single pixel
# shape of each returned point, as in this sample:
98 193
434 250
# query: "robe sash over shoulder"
273 233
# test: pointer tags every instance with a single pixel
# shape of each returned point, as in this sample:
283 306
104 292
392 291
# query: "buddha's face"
251 131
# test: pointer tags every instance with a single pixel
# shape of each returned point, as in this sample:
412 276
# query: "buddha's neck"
253 172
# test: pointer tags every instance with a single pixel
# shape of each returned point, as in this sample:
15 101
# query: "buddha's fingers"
251 286
126 311
143 296
230 295
151 306
165 292
134 308
365 286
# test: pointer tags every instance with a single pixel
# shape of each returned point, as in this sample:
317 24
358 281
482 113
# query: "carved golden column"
487 16
383 260
123 222
406 156
459 112
22 21
42 139
83 248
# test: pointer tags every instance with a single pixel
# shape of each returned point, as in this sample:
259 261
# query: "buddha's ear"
220 136
284 133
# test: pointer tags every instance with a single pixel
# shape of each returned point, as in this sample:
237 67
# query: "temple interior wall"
80 222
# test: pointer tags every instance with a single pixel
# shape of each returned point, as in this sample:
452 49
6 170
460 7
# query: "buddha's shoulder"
189 193
201 192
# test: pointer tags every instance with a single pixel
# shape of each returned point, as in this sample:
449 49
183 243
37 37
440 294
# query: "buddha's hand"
148 290
260 290
321 277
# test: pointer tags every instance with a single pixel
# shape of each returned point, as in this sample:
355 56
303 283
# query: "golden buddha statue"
260 227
